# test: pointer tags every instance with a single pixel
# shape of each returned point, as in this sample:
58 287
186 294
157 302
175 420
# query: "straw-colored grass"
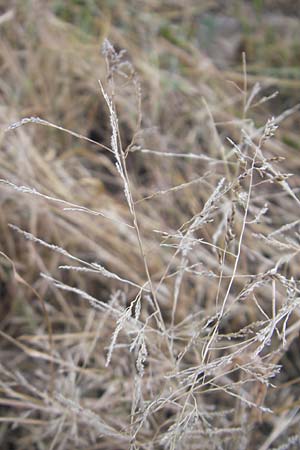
149 229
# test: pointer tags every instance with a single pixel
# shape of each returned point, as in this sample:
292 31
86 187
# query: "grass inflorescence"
150 236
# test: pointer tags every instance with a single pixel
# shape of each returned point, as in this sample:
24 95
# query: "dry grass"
149 233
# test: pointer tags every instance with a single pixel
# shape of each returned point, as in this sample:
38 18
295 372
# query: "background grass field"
149 225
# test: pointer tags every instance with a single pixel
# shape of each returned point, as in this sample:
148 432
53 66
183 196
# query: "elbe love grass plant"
151 293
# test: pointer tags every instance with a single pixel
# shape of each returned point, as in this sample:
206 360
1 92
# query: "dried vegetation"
149 228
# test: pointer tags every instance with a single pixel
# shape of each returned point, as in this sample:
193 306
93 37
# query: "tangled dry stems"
172 326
